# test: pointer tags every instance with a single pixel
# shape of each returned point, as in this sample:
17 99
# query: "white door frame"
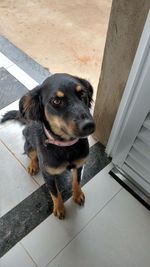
137 77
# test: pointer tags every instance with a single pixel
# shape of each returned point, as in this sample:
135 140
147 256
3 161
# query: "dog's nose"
87 127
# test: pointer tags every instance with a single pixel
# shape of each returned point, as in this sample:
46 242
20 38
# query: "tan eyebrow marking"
78 88
60 93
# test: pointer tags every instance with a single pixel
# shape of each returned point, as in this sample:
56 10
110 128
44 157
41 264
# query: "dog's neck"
52 140
48 127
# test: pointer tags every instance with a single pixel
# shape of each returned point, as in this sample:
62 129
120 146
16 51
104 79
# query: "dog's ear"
89 89
30 105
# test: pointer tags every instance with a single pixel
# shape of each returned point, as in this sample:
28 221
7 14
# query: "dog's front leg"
58 205
78 195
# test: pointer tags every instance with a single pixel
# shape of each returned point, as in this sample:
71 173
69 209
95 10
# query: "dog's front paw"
59 212
59 208
79 198
33 168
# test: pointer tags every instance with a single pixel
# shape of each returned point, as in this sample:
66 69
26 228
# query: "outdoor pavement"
64 36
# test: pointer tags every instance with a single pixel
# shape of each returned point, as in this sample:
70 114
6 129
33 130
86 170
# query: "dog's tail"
13 115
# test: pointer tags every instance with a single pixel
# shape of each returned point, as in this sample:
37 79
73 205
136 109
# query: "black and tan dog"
58 122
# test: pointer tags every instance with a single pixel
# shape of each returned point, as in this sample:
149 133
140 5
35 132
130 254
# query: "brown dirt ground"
64 36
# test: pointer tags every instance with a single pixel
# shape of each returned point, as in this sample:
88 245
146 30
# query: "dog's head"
62 102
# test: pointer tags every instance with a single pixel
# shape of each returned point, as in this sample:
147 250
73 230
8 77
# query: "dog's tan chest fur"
63 167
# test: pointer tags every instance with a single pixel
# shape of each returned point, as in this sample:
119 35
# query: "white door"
129 142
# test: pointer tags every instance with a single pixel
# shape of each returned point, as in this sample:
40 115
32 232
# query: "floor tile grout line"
9 66
84 227
19 161
4 65
28 254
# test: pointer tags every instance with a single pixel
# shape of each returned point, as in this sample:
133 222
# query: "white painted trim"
130 90
22 77
17 72
4 61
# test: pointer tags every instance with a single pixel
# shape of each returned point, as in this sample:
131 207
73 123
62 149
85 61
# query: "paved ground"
65 36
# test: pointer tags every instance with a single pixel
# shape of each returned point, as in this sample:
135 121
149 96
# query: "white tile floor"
12 106
22 258
12 138
18 188
118 236
113 229
11 150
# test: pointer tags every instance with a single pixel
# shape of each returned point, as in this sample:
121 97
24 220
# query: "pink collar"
51 140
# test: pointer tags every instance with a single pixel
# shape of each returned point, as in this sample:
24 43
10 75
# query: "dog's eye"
56 101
